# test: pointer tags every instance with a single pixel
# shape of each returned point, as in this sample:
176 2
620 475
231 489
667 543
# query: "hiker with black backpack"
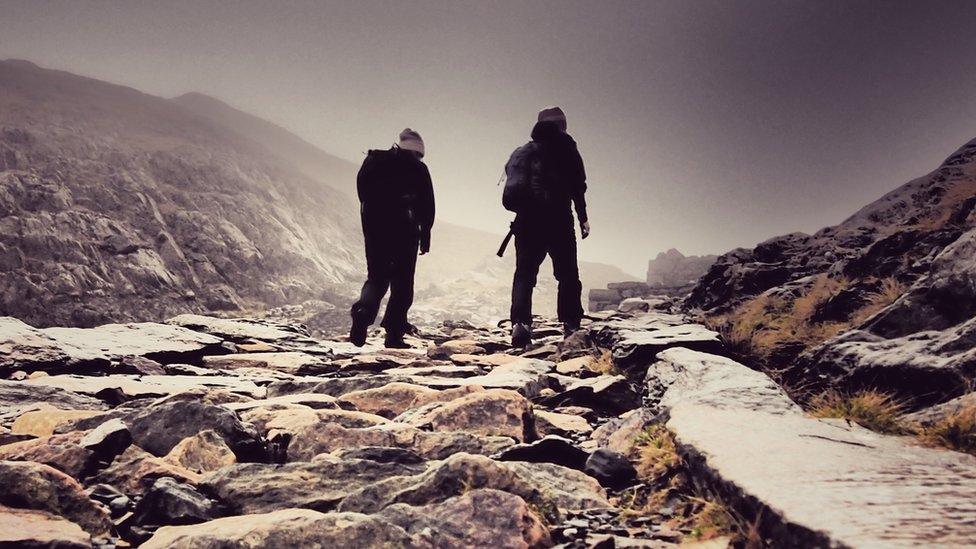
545 179
397 209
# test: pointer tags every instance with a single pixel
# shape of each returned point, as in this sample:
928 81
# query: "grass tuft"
956 431
603 364
657 452
873 410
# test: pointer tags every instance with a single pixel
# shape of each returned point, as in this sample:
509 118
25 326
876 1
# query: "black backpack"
519 189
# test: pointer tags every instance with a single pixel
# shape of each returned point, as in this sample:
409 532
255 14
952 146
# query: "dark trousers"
391 261
532 243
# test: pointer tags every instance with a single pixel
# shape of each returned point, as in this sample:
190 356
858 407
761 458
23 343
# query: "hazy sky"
705 125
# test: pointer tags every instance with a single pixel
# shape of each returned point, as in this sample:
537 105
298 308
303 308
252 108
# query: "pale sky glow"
705 125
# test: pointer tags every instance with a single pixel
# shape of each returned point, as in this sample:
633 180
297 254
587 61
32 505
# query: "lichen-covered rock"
135 471
320 484
162 426
544 484
33 529
203 452
283 529
36 486
63 452
497 412
482 518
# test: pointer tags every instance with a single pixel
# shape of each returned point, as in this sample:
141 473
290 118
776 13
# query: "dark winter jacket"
396 195
559 171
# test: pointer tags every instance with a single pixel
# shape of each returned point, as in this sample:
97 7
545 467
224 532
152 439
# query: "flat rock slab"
147 339
832 484
637 349
237 329
289 362
147 386
814 483
31 528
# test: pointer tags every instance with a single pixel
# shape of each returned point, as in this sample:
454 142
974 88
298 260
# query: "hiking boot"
569 329
357 334
521 335
395 341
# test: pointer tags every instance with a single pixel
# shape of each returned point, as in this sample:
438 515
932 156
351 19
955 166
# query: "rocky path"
203 432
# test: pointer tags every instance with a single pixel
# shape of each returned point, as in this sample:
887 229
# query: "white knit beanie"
553 114
411 141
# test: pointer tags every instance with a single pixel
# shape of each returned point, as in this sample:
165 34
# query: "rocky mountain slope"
207 433
118 205
884 300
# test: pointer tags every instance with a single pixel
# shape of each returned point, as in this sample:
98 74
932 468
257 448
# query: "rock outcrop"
882 301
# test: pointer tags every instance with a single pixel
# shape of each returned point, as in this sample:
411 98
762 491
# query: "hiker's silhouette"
545 178
397 209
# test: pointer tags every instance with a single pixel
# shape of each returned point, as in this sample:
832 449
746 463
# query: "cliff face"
672 269
884 300
117 205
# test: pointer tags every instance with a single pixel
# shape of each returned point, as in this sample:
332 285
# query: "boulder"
545 485
40 487
107 440
610 394
455 347
259 488
283 529
203 452
290 362
550 449
621 433
381 454
139 365
635 350
611 469
161 426
482 518
496 412
389 400
63 452
43 422
135 471
24 395
634 305
328 437
32 529
170 502
554 423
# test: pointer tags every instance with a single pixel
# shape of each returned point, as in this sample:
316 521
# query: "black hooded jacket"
559 171
395 195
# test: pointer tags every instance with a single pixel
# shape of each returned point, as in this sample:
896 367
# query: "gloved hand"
585 229
424 242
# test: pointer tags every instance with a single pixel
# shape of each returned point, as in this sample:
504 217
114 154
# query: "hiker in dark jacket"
544 225
397 209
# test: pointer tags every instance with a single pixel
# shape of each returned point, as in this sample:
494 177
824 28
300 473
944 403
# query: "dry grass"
657 452
956 432
711 520
763 325
603 364
870 409
890 290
